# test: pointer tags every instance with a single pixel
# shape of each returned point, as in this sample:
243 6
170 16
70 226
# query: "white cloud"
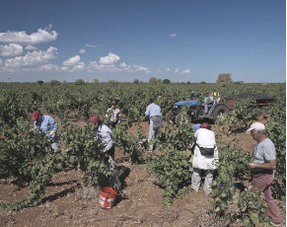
172 35
1 62
41 36
73 64
90 45
72 61
110 59
79 67
134 68
158 70
11 50
49 68
186 71
168 69
138 68
32 59
111 68
123 65
30 47
94 66
82 51
176 70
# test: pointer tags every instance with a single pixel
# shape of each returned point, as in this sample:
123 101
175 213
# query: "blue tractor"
196 111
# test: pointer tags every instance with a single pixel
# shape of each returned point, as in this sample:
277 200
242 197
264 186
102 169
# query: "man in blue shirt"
153 113
48 125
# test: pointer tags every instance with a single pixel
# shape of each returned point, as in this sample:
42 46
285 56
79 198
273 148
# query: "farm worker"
216 95
262 166
208 101
170 95
153 113
205 158
48 125
192 95
104 136
114 114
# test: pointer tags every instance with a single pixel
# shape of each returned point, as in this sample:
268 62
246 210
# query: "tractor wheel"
220 111
178 119
170 117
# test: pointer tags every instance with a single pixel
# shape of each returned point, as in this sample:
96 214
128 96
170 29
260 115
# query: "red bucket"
107 197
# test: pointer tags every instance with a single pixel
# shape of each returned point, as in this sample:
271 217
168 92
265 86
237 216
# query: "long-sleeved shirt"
153 110
114 115
104 136
47 124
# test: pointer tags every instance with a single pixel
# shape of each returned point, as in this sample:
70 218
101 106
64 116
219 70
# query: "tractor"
196 111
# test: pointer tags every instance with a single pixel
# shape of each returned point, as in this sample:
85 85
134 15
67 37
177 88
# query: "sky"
124 40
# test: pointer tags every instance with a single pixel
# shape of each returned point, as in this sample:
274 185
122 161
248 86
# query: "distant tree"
55 82
136 81
166 81
79 82
154 80
113 82
224 79
40 82
188 82
96 81
203 82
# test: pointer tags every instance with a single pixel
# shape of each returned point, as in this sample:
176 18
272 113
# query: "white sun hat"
257 126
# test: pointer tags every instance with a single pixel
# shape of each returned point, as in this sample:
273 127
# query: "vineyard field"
49 188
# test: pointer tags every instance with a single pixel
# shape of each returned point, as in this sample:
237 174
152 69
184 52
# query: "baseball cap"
113 102
257 126
35 115
204 125
94 119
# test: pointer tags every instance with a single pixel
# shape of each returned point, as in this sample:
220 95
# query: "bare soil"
66 204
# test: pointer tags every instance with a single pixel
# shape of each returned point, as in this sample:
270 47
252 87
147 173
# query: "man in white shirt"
104 136
205 158
153 113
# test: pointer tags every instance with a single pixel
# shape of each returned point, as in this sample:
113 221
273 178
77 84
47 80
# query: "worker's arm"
108 140
54 126
271 164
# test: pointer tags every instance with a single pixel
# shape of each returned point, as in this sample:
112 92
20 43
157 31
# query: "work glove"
52 134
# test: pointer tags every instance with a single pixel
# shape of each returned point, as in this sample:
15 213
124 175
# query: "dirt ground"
66 204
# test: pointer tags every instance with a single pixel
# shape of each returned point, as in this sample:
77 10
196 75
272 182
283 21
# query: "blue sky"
186 40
